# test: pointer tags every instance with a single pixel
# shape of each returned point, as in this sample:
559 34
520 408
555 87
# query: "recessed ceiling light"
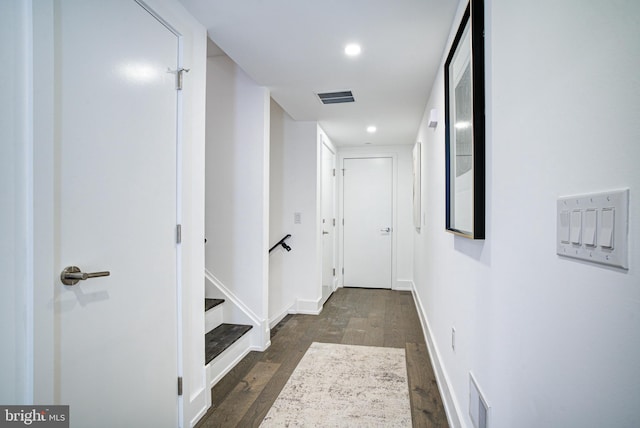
371 129
352 49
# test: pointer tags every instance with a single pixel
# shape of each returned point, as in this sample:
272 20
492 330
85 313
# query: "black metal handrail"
281 242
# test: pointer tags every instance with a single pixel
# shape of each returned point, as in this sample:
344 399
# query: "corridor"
353 316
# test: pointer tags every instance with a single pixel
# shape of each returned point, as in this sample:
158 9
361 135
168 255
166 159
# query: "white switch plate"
605 241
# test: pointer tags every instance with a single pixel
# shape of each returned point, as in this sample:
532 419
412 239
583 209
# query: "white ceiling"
296 49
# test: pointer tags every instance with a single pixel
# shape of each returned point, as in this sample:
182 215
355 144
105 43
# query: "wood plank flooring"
351 316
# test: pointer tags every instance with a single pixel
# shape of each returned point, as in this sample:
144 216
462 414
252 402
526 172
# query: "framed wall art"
417 174
465 127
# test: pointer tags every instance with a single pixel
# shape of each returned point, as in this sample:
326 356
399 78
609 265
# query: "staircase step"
212 303
221 337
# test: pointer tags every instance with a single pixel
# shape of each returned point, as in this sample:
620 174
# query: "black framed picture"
465 127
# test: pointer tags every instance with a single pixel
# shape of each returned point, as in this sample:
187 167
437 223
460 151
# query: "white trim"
261 332
308 307
403 285
163 22
232 298
451 406
28 121
225 362
275 320
203 410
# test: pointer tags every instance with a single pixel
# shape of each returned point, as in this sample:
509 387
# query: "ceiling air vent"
336 97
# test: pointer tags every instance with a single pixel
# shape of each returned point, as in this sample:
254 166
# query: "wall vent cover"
478 407
338 97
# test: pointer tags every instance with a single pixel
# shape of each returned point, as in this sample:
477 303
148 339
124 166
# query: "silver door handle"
388 229
324 232
71 275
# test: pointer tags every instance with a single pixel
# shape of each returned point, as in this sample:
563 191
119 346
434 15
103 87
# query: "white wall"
280 297
16 329
551 341
402 271
237 180
295 276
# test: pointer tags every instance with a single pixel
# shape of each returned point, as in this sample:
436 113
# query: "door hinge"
334 271
180 385
334 222
343 271
343 222
343 172
334 172
179 234
179 76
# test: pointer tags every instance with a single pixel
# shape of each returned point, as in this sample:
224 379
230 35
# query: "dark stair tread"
221 337
212 303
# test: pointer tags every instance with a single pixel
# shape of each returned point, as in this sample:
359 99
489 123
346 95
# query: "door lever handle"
387 230
71 275
324 232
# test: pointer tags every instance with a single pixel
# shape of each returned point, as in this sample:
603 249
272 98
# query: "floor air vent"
336 97
478 407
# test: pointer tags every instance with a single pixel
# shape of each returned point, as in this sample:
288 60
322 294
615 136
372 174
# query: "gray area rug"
344 386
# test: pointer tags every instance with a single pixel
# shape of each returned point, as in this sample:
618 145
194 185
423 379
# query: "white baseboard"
275 320
203 409
223 363
451 407
403 285
308 307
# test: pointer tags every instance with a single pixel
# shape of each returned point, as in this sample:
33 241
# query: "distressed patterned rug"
344 386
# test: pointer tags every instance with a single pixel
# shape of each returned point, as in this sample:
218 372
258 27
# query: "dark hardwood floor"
352 316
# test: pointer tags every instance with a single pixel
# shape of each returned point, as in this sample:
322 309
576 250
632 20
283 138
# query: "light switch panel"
594 227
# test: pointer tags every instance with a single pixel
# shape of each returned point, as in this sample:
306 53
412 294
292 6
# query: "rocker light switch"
606 230
565 222
589 230
576 226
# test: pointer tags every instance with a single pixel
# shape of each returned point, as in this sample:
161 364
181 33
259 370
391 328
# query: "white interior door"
368 222
116 357
328 218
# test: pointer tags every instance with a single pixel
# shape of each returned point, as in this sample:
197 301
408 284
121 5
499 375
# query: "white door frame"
326 143
352 154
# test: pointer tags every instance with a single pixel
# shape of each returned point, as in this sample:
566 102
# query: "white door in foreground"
368 220
116 357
